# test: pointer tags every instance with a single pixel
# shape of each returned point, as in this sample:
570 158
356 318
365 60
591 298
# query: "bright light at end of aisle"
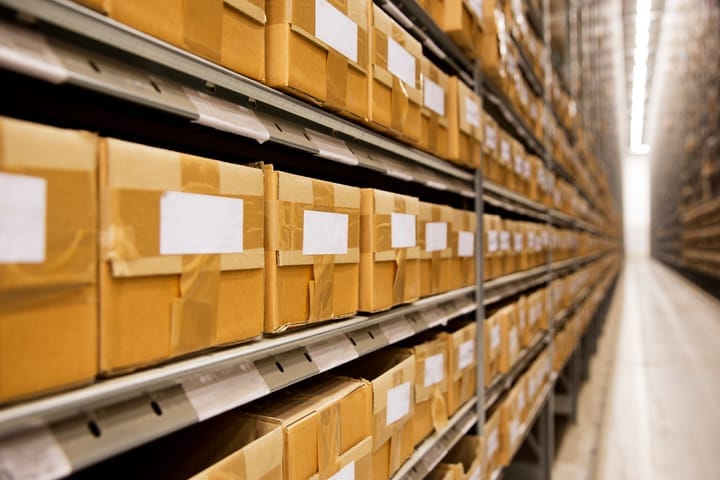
637 114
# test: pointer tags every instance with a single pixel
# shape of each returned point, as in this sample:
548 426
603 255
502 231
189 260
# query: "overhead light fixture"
637 112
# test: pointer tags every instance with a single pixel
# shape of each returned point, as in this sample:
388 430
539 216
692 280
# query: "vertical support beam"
479 273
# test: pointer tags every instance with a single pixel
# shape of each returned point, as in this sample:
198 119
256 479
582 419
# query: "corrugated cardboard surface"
326 423
394 104
435 129
445 472
509 426
388 276
154 306
465 458
491 352
465 139
302 64
48 314
229 32
457 19
436 274
493 41
302 289
493 455
510 337
462 382
462 268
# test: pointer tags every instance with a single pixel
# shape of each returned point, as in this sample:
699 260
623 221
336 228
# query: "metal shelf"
198 388
561 318
143 70
575 262
502 287
436 446
504 198
528 71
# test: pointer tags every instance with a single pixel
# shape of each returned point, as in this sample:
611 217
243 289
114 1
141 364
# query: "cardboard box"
396 96
525 331
392 374
465 125
461 20
493 343
501 172
463 229
319 50
464 460
164 290
228 32
491 144
493 42
506 247
518 244
441 472
517 178
493 254
327 426
312 252
435 124
48 258
510 426
524 405
431 383
462 365
510 348
389 254
436 250
493 457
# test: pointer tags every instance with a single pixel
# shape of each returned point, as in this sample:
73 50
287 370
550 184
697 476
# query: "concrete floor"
651 407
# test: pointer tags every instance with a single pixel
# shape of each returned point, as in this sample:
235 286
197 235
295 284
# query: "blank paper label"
521 400
472 112
466 354
434 369
505 151
475 474
519 164
433 96
476 6
435 236
514 344
527 170
466 244
325 233
401 63
492 443
490 137
495 337
23 201
191 223
493 240
403 230
335 29
518 242
505 241
33 454
346 473
398 403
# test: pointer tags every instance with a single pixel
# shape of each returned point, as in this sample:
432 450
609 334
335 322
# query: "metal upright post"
479 273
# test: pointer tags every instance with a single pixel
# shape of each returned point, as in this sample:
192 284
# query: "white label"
504 241
346 473
434 369
545 238
514 343
433 96
401 63
227 116
217 392
466 244
492 443
466 354
332 148
33 454
495 337
505 152
492 240
490 137
476 6
435 236
541 177
519 164
402 226
335 29
521 400
527 170
23 202
191 223
325 233
398 403
514 431
26 51
518 242
472 112
475 474
396 330
329 354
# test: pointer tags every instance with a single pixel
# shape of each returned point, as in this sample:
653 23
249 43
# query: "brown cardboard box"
460 20
523 313
396 95
491 246
493 341
518 179
510 426
48 258
442 472
493 457
493 42
463 229
506 247
229 32
532 163
320 51
392 374
389 275
518 241
164 290
431 384
490 145
465 125
312 250
435 124
510 348
464 460
462 365
524 405
327 425
436 252
502 171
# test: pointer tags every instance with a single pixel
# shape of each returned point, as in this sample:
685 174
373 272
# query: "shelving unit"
55 47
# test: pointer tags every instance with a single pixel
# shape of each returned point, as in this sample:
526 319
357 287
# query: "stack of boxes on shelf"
463 462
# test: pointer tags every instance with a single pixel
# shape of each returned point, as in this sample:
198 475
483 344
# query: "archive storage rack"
69 66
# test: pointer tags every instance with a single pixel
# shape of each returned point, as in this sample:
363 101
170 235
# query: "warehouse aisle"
662 420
